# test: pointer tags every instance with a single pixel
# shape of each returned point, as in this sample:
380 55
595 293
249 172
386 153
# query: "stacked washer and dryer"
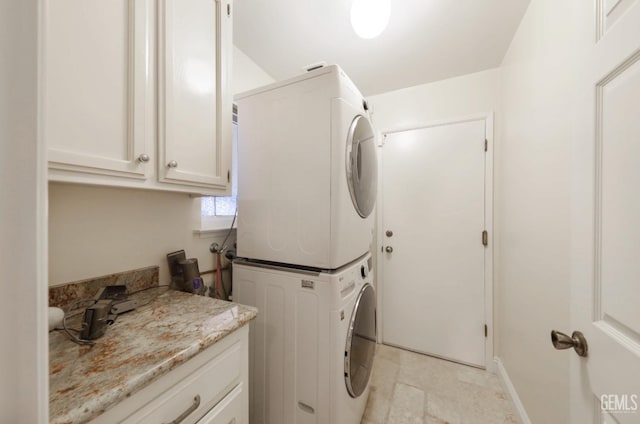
306 192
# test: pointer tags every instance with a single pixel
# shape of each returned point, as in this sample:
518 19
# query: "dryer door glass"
362 166
361 342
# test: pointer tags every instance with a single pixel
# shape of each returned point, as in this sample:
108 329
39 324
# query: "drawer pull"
185 414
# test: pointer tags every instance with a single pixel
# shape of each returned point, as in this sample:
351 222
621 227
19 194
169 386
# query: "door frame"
488 118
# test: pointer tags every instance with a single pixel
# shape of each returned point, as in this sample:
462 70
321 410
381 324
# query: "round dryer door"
361 342
362 166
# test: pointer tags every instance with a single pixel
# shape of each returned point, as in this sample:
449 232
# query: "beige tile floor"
410 388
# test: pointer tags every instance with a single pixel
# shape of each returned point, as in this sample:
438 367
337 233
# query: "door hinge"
486 144
486 330
228 10
485 238
228 176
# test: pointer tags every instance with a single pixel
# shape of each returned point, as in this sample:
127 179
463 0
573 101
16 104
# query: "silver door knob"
143 158
388 249
577 341
172 164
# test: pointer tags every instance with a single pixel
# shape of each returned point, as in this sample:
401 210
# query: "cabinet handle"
143 158
189 410
172 164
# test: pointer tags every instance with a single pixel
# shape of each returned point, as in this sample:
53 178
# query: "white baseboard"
511 391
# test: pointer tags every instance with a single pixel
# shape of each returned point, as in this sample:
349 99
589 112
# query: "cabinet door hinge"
486 330
486 144
228 176
485 238
228 10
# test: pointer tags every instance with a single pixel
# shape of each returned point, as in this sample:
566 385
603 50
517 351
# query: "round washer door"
362 166
361 342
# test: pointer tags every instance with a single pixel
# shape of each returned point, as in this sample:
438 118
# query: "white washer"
307 171
312 343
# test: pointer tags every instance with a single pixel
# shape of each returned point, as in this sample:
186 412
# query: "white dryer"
307 171
312 343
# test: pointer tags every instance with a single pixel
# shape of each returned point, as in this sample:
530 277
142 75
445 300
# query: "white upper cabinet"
117 113
195 106
97 91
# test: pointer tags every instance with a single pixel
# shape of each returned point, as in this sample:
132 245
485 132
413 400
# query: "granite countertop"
170 328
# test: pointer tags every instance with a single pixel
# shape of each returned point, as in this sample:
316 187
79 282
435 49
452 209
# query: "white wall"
532 206
23 369
246 73
95 231
100 230
451 98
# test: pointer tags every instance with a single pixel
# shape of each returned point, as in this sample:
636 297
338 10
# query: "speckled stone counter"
139 347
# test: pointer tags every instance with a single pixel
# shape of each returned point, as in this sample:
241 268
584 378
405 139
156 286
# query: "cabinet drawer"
229 411
210 383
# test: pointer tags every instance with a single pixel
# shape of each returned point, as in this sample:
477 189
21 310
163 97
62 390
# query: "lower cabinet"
229 411
210 388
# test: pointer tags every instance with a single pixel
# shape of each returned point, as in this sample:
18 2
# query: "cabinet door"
230 410
97 95
194 97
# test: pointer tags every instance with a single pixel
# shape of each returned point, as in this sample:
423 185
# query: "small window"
219 206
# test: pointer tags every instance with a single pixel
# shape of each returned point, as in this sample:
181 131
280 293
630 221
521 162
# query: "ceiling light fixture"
370 17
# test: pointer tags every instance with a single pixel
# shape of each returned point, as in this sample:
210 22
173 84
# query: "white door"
606 217
433 260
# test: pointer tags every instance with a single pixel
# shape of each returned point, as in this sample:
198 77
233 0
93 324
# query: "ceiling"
426 40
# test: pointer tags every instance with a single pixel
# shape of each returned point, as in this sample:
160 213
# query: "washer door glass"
362 166
361 342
